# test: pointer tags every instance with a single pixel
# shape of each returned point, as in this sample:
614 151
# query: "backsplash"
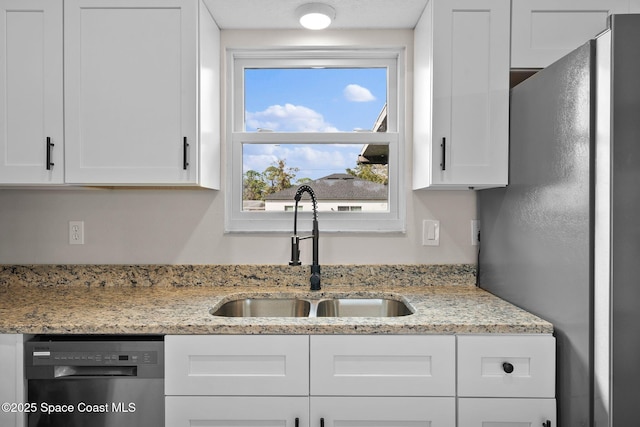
233 275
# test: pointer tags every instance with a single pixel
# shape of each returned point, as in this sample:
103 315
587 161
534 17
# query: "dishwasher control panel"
43 355
84 356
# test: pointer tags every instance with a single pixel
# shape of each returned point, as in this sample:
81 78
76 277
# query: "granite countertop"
178 300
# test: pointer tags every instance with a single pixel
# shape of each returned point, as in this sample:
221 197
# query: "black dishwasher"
97 381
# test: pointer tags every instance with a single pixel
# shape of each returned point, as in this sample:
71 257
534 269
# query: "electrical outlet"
475 232
76 232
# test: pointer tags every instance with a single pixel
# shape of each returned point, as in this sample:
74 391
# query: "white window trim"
237 220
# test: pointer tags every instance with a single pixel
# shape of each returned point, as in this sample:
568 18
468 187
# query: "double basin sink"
303 307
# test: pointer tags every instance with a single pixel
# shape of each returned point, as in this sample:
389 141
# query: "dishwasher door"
104 383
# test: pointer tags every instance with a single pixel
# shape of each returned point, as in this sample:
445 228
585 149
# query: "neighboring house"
338 192
376 154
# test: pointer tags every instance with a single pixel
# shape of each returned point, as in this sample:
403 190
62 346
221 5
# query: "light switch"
475 232
430 232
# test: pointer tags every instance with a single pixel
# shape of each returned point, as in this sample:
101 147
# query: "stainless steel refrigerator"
562 240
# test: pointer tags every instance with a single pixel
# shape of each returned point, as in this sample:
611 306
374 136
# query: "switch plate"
430 232
475 232
76 232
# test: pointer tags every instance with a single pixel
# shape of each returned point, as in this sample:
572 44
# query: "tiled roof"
339 186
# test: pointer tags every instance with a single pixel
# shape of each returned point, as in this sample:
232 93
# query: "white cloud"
357 93
313 160
324 157
288 117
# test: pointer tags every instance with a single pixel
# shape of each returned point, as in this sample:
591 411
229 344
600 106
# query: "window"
325 118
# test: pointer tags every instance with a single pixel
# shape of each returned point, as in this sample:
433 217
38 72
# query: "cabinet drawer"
389 365
191 411
506 366
383 411
237 365
482 412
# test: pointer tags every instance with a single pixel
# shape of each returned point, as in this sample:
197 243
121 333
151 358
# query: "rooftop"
338 186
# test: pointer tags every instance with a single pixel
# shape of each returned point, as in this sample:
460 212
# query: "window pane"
314 99
340 175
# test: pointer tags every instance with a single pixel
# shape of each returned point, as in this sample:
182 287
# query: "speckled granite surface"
108 299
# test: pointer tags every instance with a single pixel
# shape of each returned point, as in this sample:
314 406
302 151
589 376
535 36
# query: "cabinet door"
461 98
546 30
506 412
12 384
382 365
237 365
189 411
130 91
383 411
31 100
506 366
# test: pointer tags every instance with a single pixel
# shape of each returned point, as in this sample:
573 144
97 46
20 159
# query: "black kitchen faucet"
315 235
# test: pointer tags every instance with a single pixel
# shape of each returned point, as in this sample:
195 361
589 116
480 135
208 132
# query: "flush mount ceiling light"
315 16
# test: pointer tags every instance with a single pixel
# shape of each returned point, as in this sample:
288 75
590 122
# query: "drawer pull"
321 422
185 153
49 163
507 367
546 424
297 424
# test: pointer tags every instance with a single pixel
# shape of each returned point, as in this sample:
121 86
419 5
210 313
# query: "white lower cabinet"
360 380
12 384
386 381
483 412
390 365
281 411
382 411
189 411
237 365
506 380
506 366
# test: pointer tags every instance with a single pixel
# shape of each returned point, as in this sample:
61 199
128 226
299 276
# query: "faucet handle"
295 251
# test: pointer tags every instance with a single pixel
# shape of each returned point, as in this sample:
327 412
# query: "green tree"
301 181
253 186
278 176
375 173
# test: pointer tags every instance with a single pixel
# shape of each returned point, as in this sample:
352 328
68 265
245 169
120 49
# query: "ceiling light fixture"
315 16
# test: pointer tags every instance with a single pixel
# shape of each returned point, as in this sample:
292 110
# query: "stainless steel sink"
303 307
264 307
362 307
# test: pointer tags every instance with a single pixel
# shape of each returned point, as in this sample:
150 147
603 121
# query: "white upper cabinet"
461 94
31 107
543 31
133 72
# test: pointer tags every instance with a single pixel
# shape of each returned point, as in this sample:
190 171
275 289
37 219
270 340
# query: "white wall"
173 226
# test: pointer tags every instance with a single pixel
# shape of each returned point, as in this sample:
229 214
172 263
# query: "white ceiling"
350 14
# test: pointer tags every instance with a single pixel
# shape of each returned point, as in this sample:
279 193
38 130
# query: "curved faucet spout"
315 235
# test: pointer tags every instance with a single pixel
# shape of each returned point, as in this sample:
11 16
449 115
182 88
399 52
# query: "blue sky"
311 100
